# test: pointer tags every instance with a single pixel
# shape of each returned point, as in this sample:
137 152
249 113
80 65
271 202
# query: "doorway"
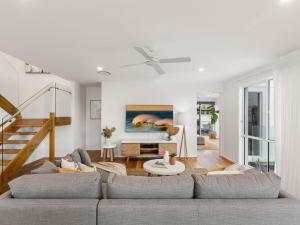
259 125
207 125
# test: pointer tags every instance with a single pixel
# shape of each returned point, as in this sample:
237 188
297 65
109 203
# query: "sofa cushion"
57 186
85 157
246 186
47 167
199 212
136 187
76 156
48 211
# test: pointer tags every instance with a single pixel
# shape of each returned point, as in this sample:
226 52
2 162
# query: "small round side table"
108 151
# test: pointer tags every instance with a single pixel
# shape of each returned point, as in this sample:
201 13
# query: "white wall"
93 127
115 95
18 86
9 82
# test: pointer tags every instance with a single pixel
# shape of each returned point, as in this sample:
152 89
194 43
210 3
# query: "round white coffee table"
176 169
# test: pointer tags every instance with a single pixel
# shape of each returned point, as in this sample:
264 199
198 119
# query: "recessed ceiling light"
285 1
201 69
99 68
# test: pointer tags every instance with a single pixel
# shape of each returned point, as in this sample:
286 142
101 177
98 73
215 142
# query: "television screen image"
148 118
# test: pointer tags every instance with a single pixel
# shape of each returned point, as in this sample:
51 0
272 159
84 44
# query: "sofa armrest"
5 195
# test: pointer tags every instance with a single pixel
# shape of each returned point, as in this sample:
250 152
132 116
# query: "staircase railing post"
52 137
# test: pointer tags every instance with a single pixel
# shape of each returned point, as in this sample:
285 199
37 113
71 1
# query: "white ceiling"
71 38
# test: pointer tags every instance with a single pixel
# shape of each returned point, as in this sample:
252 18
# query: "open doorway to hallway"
208 131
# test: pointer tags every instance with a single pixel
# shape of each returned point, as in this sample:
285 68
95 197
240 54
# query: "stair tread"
27 125
10 151
19 133
30 121
4 162
14 141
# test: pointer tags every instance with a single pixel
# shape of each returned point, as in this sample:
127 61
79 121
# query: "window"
259 125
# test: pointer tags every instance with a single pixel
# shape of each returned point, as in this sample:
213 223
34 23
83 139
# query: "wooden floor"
208 159
210 144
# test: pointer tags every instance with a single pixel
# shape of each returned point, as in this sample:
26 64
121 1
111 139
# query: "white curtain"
288 127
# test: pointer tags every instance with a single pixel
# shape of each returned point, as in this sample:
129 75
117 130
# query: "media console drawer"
130 149
147 148
171 148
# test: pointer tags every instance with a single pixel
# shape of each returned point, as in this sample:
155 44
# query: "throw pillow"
76 156
86 169
47 167
69 165
238 167
85 158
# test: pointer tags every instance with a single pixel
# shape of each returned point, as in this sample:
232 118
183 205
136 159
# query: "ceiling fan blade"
175 60
143 53
157 68
134 64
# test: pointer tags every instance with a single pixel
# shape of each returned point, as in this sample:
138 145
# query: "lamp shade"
182 118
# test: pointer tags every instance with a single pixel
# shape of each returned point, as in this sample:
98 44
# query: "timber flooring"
210 144
208 159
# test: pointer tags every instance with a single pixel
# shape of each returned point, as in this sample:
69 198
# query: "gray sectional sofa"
79 199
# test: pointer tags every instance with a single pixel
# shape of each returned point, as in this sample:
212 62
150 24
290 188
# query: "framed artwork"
95 109
148 118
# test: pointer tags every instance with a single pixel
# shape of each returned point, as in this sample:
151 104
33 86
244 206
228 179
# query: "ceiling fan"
154 62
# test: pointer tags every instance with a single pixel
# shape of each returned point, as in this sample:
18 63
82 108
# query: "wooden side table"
108 151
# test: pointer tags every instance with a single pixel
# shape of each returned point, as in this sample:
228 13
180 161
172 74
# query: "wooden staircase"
21 137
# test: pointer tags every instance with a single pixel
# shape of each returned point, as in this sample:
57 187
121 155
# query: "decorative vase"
173 159
166 157
107 141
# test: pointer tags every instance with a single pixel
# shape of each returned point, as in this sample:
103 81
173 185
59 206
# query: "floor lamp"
182 121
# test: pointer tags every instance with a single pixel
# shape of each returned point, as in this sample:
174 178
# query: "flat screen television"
148 118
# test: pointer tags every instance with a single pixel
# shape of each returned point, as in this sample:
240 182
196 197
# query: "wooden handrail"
7 106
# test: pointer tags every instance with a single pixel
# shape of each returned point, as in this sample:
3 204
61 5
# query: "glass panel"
271 110
63 101
259 121
256 110
258 154
272 155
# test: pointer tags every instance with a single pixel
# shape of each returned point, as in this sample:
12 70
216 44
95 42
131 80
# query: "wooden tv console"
147 147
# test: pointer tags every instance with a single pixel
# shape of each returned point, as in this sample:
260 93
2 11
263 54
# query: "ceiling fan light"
99 68
201 69
104 73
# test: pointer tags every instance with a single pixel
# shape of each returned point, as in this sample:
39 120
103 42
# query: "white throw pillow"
238 167
234 166
68 165
87 169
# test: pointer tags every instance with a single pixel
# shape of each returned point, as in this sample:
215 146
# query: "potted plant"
214 118
107 133
171 131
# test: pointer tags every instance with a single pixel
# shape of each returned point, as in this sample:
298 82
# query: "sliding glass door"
259 125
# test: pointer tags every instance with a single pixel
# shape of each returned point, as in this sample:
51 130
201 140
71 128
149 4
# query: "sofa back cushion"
137 187
57 186
244 186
